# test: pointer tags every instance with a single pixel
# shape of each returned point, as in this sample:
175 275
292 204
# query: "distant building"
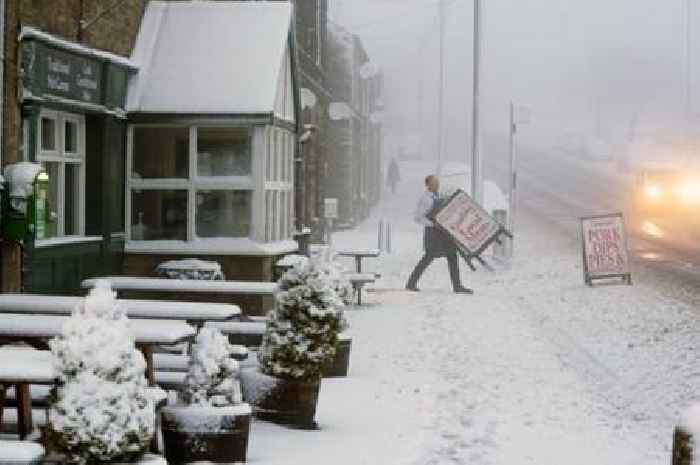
354 127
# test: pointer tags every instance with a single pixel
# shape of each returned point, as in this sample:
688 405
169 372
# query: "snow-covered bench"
359 254
130 283
195 313
358 281
20 452
245 333
20 368
37 329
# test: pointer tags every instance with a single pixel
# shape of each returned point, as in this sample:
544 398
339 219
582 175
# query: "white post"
513 179
476 184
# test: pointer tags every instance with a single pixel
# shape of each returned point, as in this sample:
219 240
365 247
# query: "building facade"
64 99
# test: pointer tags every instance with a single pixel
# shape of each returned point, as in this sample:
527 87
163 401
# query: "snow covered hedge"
102 410
212 380
302 330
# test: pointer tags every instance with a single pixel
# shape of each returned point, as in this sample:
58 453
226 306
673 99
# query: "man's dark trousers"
437 245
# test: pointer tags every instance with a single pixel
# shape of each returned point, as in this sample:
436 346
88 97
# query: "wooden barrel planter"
290 403
682 448
341 363
214 434
686 437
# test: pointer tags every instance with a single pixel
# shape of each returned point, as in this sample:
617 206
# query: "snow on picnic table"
534 368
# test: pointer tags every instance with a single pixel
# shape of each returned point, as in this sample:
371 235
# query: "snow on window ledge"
66 240
212 246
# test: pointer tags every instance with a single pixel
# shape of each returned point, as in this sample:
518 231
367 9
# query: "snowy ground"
535 368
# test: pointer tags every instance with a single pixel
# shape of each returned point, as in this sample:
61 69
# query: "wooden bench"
358 281
255 296
195 313
245 333
21 367
20 452
38 329
358 255
130 283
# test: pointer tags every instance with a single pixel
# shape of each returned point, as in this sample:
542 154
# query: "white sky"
573 63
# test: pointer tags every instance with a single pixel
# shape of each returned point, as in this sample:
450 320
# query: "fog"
609 69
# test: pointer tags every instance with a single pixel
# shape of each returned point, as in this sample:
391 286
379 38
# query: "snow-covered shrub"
102 410
212 380
302 330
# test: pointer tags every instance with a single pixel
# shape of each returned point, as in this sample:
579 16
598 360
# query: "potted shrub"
300 339
102 411
211 423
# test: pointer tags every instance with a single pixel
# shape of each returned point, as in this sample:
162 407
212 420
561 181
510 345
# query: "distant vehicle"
668 193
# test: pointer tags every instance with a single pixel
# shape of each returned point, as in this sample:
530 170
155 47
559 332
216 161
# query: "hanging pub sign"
604 244
471 228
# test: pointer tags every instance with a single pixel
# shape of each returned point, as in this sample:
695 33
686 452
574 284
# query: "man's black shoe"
412 288
463 290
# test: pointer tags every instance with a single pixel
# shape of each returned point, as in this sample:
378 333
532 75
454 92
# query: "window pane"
223 213
159 214
161 152
48 134
72 184
70 137
223 152
50 216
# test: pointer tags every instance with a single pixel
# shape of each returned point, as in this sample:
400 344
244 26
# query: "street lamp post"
476 184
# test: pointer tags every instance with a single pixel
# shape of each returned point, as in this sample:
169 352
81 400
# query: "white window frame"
58 156
191 184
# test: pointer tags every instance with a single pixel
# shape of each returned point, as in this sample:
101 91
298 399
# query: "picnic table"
37 329
358 281
20 367
132 283
195 313
359 254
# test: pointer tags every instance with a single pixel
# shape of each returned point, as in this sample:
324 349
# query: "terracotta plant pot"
291 403
214 434
341 362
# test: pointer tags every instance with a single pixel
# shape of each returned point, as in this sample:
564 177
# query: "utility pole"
441 86
476 184
513 182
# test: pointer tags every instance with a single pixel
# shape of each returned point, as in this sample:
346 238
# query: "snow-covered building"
212 136
64 107
355 136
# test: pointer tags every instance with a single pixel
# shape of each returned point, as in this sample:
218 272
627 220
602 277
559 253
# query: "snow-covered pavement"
535 368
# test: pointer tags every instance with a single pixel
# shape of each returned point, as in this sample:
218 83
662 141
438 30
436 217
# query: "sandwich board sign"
604 247
471 228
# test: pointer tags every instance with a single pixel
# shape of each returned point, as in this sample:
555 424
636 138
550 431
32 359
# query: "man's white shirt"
425 204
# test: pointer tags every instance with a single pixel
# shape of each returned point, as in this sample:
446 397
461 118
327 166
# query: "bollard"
686 449
380 235
388 237
500 250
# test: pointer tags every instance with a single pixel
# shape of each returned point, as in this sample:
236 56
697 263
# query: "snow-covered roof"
29 32
209 57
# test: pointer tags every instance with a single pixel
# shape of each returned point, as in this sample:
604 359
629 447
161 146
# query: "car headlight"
653 192
689 191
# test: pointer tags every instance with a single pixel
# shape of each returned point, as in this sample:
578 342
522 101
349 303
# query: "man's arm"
425 204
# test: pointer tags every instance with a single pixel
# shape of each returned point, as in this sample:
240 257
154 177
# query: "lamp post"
476 181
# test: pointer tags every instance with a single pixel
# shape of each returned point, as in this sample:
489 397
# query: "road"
559 190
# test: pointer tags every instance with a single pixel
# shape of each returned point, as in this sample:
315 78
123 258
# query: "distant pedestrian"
392 175
436 243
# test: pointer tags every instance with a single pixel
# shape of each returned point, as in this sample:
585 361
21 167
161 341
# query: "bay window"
187 183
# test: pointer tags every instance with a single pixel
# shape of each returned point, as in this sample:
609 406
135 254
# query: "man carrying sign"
435 242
